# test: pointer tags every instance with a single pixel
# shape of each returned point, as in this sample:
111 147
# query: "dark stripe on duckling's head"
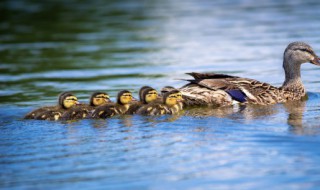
141 91
149 95
124 97
63 96
167 89
99 98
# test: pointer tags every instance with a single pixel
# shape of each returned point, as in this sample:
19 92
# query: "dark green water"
47 47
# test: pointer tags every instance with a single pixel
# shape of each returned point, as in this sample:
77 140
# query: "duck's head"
300 52
67 100
99 98
149 95
124 97
172 98
166 89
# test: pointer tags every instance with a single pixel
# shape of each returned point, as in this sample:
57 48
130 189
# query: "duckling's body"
33 114
121 107
147 95
85 110
66 101
169 105
221 90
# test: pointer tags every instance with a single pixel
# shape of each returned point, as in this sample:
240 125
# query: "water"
83 46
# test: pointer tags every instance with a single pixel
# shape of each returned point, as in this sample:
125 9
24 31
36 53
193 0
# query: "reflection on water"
82 46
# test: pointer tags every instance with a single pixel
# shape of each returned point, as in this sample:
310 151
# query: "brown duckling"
66 101
84 110
169 105
147 95
166 89
119 108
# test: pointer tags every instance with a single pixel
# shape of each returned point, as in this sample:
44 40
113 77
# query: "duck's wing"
209 75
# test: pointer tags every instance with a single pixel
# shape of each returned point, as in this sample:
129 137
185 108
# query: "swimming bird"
220 90
66 100
84 110
170 105
147 95
166 89
121 107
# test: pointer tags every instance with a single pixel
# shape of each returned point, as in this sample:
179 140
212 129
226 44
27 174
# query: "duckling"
66 101
170 105
84 110
179 95
147 95
122 105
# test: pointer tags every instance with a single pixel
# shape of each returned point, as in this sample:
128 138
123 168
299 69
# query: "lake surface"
82 46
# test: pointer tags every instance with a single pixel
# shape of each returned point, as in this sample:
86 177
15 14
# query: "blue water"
83 46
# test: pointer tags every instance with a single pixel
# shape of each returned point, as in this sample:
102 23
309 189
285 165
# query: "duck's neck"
293 76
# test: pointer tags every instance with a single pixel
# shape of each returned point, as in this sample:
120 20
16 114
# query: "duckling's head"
67 100
300 52
99 98
172 98
149 95
167 89
124 97
141 91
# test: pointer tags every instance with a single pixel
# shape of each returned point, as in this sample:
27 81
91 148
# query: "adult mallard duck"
221 90
147 95
84 110
66 101
121 107
170 105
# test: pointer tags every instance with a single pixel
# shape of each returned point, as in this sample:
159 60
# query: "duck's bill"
316 61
